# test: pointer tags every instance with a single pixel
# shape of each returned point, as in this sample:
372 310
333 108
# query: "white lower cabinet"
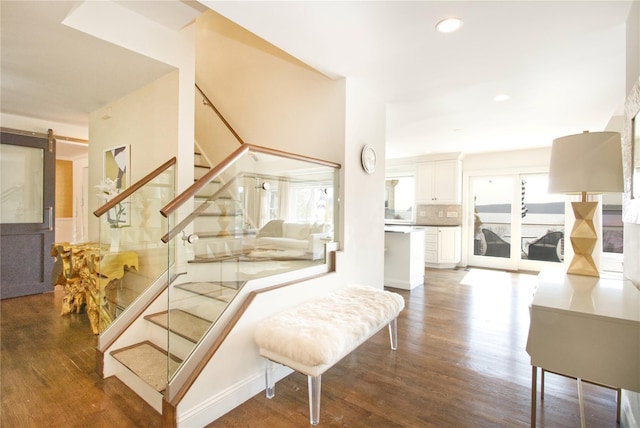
403 257
442 247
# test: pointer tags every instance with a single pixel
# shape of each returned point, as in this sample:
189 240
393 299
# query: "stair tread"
148 362
219 291
184 324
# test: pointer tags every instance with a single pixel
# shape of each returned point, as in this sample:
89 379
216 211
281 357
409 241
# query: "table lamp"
590 162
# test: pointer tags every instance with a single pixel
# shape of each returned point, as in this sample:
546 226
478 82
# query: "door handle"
50 218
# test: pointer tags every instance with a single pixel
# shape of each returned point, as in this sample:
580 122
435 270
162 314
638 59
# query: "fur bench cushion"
324 329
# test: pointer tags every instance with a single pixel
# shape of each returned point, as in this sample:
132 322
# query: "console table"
586 328
87 275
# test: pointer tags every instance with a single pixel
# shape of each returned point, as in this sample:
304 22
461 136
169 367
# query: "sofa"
282 239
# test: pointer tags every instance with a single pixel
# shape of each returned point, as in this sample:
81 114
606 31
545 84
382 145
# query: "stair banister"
208 102
134 187
192 190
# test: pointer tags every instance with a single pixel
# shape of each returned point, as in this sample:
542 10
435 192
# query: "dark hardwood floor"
461 362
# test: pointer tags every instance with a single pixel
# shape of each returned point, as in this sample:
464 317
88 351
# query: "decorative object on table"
587 163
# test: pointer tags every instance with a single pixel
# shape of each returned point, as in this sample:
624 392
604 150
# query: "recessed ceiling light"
501 97
449 25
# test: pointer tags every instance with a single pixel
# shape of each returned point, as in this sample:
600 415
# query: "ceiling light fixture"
449 25
501 97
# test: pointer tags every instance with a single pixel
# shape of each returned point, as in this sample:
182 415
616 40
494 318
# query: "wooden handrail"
210 104
191 191
214 172
203 206
133 188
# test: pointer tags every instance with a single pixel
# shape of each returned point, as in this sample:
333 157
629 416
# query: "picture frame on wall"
116 166
116 170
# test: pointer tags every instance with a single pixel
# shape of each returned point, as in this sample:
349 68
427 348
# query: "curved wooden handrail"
191 191
216 111
133 188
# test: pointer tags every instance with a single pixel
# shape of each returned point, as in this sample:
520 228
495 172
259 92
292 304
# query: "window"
399 199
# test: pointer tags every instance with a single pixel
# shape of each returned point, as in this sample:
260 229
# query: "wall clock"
368 159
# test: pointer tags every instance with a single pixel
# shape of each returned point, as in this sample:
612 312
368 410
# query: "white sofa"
281 239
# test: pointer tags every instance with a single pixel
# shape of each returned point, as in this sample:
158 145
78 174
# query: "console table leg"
581 401
534 385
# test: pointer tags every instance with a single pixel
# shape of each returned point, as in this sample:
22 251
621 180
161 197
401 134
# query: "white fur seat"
314 336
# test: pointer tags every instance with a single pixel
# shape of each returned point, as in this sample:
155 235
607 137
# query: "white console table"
587 328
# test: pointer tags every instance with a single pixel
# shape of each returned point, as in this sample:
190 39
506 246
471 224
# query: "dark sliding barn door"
27 193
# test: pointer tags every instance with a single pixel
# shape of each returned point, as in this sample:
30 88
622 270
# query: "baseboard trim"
218 405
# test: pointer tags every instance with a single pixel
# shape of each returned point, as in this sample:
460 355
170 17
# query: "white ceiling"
562 63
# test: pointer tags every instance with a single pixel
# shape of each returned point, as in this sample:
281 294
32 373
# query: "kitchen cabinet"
442 247
403 257
438 182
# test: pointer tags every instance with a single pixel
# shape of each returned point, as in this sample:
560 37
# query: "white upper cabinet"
438 182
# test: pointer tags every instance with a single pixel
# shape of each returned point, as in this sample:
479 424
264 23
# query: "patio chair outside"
496 246
546 248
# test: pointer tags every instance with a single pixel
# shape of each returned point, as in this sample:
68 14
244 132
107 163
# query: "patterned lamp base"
583 240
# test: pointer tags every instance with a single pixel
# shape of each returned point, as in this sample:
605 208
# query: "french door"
27 192
516 223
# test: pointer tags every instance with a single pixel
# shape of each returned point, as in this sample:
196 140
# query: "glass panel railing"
131 254
264 213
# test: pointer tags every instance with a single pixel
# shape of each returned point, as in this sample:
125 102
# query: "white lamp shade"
590 162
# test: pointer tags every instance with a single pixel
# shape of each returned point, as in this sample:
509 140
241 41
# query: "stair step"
212 290
184 324
148 362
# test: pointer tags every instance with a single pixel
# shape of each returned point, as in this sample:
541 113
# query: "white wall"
270 98
147 122
630 400
363 194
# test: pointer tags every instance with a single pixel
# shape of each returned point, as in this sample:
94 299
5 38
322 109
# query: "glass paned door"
493 228
26 214
517 224
542 220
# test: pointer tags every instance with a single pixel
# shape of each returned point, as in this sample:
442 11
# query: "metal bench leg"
268 374
314 398
393 333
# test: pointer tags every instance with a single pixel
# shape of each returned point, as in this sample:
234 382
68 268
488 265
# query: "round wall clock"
368 159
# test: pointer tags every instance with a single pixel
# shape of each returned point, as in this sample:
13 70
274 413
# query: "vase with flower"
116 216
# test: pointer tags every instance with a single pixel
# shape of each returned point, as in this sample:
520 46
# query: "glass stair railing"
260 213
131 255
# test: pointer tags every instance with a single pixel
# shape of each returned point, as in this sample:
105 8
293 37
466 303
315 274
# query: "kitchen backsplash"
439 215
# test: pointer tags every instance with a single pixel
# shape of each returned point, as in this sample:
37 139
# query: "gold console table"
88 276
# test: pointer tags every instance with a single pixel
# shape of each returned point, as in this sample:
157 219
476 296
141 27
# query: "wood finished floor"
460 363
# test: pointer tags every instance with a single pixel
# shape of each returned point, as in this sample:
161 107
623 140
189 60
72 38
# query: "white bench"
314 336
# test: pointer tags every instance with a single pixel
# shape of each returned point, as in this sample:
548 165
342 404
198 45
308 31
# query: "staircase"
173 332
